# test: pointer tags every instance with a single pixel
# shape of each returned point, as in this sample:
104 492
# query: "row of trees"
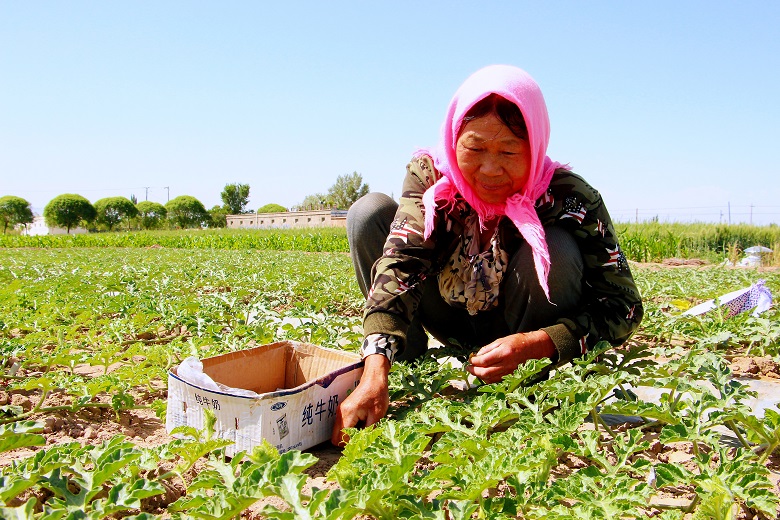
70 210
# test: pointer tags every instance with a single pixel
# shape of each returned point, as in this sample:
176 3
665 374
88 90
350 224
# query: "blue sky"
669 109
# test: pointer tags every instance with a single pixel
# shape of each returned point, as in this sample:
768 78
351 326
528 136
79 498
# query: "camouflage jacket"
611 308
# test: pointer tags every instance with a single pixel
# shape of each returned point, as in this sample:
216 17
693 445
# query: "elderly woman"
493 247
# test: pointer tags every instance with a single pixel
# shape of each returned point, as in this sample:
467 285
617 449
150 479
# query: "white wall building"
288 219
39 227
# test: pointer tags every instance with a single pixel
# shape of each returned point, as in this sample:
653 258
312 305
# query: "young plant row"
330 239
645 242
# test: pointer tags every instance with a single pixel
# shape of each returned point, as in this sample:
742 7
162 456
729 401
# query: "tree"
114 210
14 210
134 199
68 210
218 216
235 197
186 211
347 189
272 208
316 201
151 214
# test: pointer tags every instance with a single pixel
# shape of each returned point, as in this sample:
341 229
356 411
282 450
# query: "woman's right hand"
368 403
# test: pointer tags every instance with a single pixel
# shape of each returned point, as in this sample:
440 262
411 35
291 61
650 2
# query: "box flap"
260 369
282 365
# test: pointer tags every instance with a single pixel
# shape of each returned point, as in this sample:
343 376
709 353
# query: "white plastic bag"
191 371
756 297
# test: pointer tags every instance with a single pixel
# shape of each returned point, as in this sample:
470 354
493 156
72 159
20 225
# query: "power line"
73 190
726 213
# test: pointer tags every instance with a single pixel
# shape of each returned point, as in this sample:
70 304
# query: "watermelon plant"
88 333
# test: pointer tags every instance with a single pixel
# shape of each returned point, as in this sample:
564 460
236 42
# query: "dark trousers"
523 306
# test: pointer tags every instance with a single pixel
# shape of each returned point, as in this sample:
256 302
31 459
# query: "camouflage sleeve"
384 344
398 274
612 307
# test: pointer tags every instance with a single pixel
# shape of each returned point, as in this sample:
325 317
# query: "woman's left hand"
501 357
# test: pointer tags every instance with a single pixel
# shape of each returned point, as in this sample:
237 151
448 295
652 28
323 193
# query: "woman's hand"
368 403
501 357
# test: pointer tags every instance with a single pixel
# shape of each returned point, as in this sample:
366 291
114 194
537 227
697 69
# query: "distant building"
39 227
289 219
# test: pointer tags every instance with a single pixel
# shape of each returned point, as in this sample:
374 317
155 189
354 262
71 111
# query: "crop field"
311 240
88 331
641 242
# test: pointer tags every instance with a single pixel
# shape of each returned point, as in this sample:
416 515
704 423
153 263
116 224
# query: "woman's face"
494 161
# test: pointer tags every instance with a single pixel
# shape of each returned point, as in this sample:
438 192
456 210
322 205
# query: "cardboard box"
300 387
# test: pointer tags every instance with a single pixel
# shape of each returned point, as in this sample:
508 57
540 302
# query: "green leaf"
160 407
20 435
671 475
724 483
263 452
651 411
22 512
124 496
11 410
568 418
13 486
521 376
121 400
690 430
198 445
290 489
461 509
59 485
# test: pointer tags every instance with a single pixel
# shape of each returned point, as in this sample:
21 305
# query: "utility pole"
751 214
168 190
147 192
636 216
729 213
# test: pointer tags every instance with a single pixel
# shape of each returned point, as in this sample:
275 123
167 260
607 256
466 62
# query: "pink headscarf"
517 86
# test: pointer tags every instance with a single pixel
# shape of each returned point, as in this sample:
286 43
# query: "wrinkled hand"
368 403
501 357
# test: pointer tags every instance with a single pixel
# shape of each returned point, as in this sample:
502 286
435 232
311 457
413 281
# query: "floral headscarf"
517 86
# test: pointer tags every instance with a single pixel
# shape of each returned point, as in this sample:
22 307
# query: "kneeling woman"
493 247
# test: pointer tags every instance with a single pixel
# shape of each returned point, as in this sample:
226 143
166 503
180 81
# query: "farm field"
88 333
641 242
